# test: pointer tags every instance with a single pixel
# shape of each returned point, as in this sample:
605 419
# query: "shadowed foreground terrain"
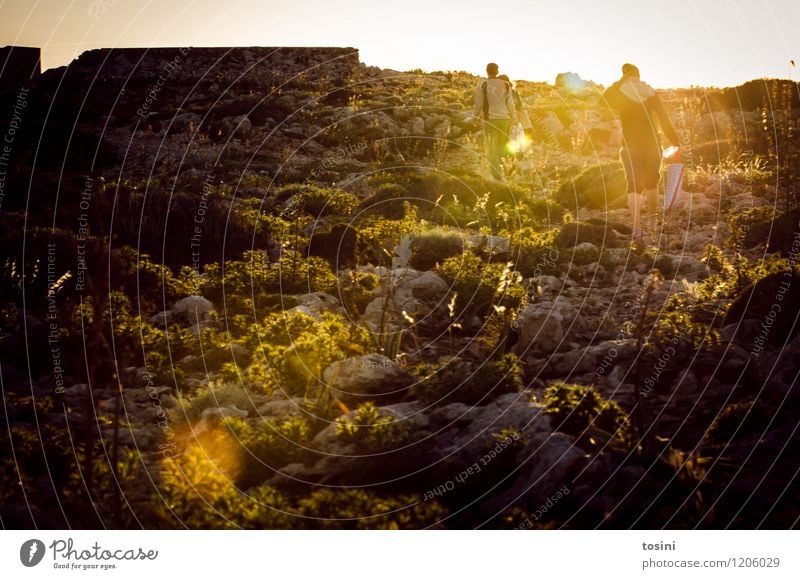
275 288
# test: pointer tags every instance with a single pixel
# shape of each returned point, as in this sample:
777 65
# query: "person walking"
494 103
641 113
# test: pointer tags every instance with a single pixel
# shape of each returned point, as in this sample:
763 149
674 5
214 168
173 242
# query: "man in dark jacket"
641 113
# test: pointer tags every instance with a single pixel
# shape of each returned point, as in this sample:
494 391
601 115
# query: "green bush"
251 283
359 509
320 202
480 285
356 291
371 430
535 253
433 246
740 420
597 187
458 381
268 445
215 394
291 350
581 410
198 489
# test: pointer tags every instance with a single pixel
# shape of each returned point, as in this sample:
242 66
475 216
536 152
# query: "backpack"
484 88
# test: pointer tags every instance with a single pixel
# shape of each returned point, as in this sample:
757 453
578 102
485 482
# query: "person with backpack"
524 127
524 119
494 103
641 113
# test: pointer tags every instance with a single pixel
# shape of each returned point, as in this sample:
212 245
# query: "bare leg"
652 209
635 207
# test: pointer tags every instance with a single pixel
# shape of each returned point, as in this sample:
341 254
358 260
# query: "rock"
464 434
542 326
195 307
577 232
572 82
493 244
318 302
550 284
193 312
161 320
585 253
599 359
281 408
746 201
77 390
361 378
547 463
416 126
421 295
772 302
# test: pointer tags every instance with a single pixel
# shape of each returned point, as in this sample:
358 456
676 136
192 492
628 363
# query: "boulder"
318 302
542 326
576 232
193 305
600 359
585 253
493 244
213 415
361 378
421 295
547 463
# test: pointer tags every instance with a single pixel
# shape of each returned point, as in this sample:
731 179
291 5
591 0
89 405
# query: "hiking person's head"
492 69
629 69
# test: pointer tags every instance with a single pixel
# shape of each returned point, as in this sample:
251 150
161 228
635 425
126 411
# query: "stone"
361 378
577 232
197 307
316 303
493 244
599 359
585 253
77 390
546 464
542 326
421 295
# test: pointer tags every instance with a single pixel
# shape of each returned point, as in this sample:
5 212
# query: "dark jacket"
641 112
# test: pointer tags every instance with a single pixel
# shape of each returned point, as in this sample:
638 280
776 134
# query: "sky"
675 43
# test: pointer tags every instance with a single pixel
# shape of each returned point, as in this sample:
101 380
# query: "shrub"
291 350
480 285
268 445
372 430
319 202
534 252
250 283
356 291
740 420
434 246
597 187
215 394
197 488
388 201
458 381
359 509
580 410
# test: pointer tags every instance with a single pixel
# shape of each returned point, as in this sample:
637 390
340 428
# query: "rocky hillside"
275 288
